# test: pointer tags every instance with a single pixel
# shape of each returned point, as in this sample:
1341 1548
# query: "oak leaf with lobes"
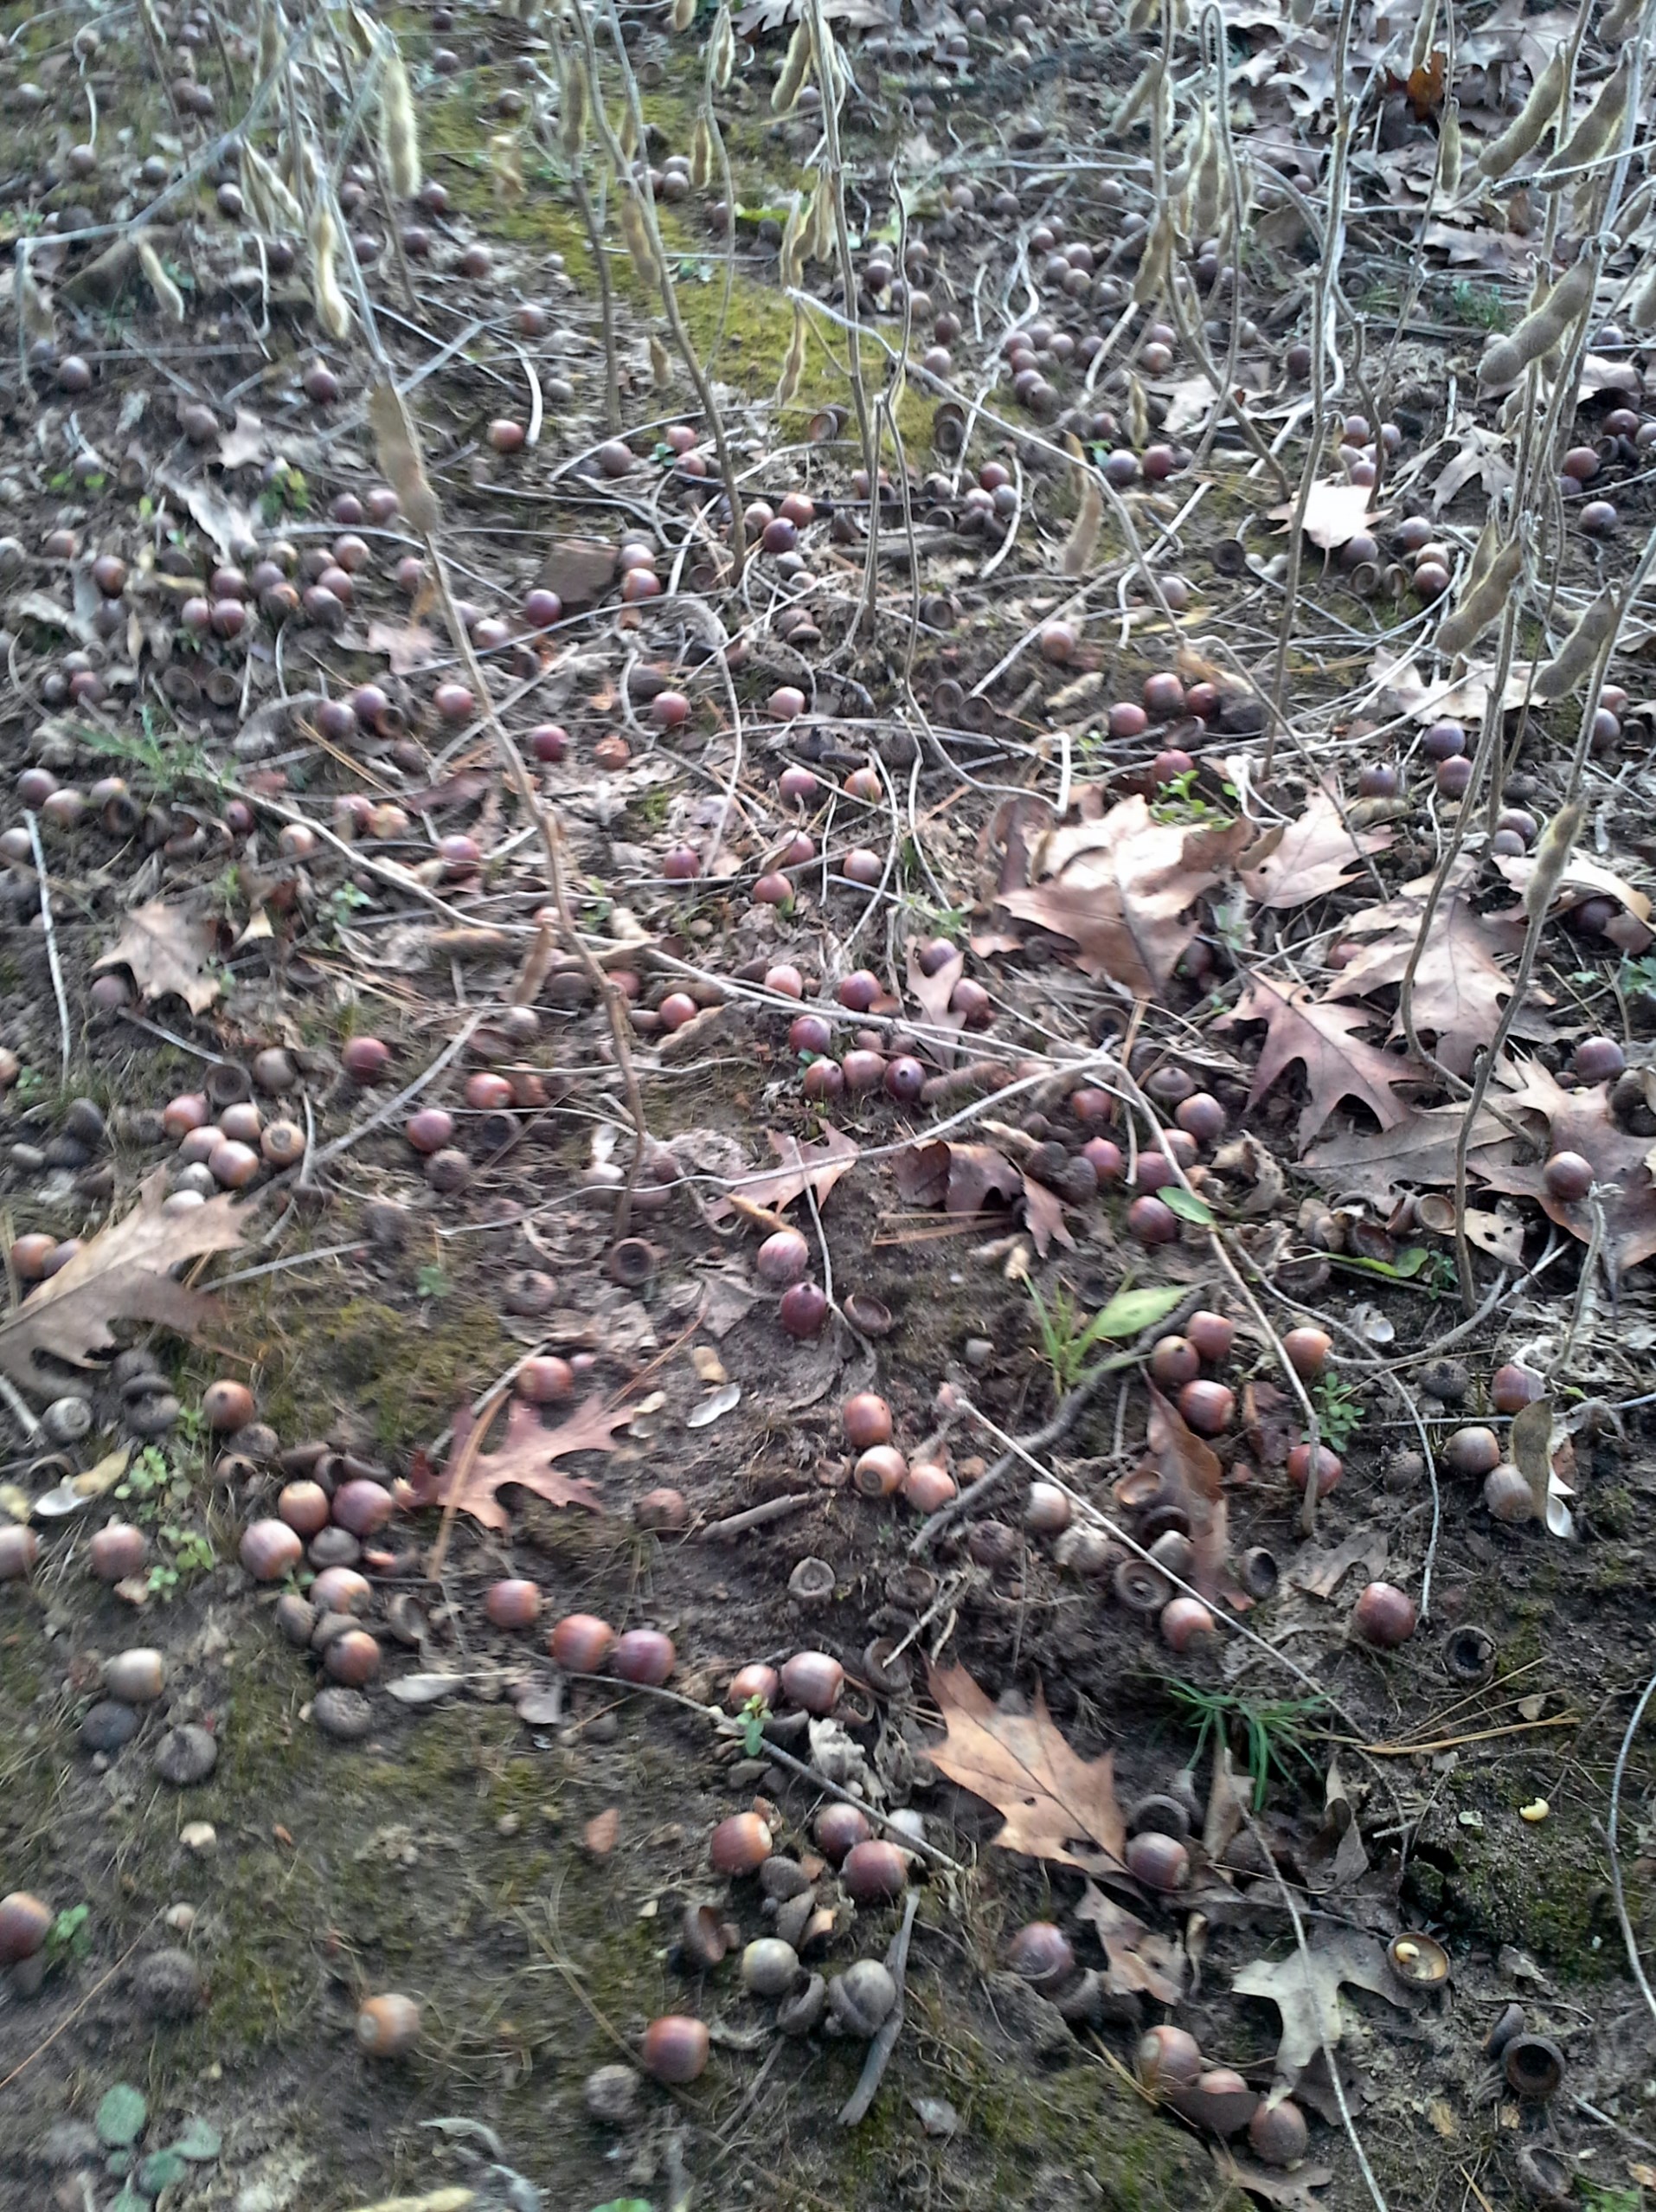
124 1273
1121 888
527 1456
1460 987
1054 1805
168 949
1337 1063
1580 1121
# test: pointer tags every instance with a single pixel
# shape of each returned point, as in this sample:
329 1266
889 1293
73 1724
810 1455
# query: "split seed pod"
1448 149
796 66
267 195
572 126
1523 134
793 364
724 49
683 14
1620 21
168 298
702 152
400 458
637 242
333 312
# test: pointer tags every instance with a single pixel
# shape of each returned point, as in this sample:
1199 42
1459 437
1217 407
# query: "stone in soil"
186 1755
344 1714
610 2095
107 1726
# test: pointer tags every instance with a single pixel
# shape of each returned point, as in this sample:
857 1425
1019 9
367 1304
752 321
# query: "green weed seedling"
122 2116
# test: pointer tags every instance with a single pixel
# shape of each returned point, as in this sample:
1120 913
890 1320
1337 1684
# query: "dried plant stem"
834 173
1322 304
644 199
47 924
1537 921
605 302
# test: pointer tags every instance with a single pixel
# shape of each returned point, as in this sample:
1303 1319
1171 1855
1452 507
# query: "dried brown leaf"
820 1165
1313 855
1304 1988
1191 1472
1050 1800
1121 887
1379 1164
1336 513
124 1273
1043 1214
1460 987
1580 1121
408 646
1337 1063
935 990
1139 1957
527 1456
167 948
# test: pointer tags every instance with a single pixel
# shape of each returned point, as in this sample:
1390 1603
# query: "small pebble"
181 1918
978 1352
199 1835
344 1714
107 1726
186 1755
610 2095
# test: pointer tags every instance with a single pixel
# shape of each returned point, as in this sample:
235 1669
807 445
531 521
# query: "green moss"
404 1369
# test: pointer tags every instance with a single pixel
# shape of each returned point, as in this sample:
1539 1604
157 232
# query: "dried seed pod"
1523 134
333 312
796 65
1573 662
400 458
168 298
793 361
1448 150
573 104
722 48
1542 329
636 236
1594 133
1484 603
399 131
268 196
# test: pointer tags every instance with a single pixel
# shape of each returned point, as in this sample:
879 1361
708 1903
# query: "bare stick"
759 1516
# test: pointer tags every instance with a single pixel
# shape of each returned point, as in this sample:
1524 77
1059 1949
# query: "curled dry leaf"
1191 1474
527 1456
1055 1805
960 1178
167 948
935 990
1140 1958
124 1273
820 1164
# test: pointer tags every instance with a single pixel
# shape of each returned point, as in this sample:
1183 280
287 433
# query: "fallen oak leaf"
526 1457
1189 1471
1460 987
1049 1799
124 1273
1583 878
1337 1063
1380 1164
1312 856
1304 1988
167 948
935 989
820 1165
1336 513
1580 1121
1119 889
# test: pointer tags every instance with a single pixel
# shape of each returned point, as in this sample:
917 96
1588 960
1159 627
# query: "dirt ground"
523 1855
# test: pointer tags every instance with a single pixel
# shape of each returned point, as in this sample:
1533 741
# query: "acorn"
1384 1615
1042 1954
1308 1350
813 1680
675 2048
739 1845
1167 2056
118 1550
1159 1861
861 1999
387 2026
874 1873
135 1677
838 1829
19 1549
770 1968
643 1656
25 1922
1278 2134
581 1643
